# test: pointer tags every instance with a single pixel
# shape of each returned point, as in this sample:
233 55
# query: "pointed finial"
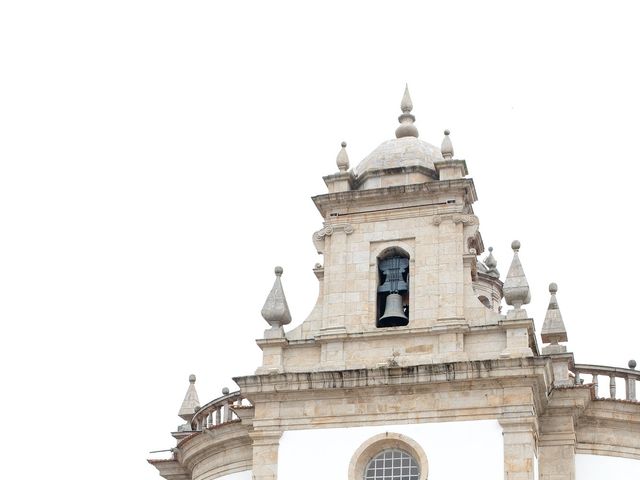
406 105
491 264
275 310
406 128
516 288
490 261
447 146
190 402
342 160
553 329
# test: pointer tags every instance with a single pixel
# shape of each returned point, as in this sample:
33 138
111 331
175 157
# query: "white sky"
157 160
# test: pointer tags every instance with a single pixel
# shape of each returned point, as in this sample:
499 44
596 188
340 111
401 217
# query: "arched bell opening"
393 288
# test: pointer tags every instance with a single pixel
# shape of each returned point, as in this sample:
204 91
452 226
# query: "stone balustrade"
219 411
629 377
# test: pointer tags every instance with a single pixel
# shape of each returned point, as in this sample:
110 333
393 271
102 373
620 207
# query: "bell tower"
401 282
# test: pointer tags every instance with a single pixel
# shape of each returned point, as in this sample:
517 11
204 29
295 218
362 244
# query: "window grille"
392 464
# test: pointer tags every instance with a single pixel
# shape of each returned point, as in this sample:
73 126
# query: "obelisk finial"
553 329
190 402
516 288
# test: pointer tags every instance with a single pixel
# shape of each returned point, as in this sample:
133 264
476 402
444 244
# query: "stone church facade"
407 359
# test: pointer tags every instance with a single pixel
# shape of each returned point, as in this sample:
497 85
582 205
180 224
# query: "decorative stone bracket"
327 231
470 224
456 218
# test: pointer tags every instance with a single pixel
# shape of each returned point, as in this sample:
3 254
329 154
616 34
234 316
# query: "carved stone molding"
456 218
466 219
330 228
327 231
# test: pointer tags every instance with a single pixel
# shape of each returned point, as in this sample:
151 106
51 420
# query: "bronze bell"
393 312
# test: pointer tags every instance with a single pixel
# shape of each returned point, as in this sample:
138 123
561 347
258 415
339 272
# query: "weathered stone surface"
458 359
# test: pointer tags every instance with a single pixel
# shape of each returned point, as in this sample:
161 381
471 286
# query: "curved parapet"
218 443
227 408
626 377
610 424
217 451
610 427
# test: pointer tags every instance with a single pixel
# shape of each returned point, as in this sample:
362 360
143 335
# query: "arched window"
393 288
392 464
389 456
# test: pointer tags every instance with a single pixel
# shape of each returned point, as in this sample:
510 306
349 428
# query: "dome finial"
406 105
447 146
491 263
342 160
406 128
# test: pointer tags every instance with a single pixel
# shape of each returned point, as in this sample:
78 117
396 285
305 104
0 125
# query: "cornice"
404 193
383 376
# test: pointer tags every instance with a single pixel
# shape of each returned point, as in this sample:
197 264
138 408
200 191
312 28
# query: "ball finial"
278 271
192 378
632 364
515 245
553 287
343 144
490 249
225 391
447 132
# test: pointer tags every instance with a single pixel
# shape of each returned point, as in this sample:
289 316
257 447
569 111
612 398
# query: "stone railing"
628 376
219 411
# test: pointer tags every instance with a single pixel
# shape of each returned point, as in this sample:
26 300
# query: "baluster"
631 382
218 413
210 419
630 387
612 386
577 379
594 380
227 411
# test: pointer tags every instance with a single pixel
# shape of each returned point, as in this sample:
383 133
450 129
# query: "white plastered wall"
599 467
246 475
472 449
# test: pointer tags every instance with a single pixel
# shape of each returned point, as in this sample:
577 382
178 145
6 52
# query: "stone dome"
400 152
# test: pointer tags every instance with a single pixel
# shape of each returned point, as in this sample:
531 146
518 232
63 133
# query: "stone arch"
388 440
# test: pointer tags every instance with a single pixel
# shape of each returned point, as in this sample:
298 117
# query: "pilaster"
519 437
451 268
265 454
336 262
557 448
